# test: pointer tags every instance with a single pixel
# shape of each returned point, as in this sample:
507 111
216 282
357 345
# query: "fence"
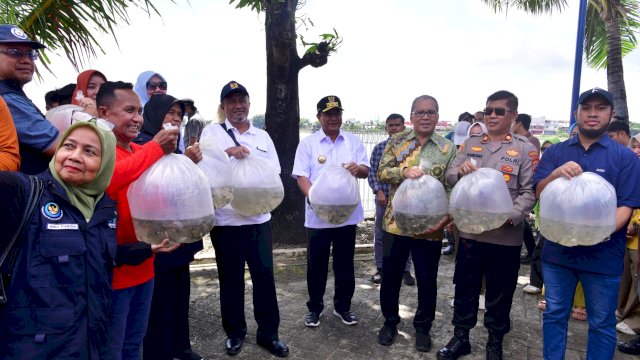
369 139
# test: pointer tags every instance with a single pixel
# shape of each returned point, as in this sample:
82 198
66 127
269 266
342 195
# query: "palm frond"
595 46
534 7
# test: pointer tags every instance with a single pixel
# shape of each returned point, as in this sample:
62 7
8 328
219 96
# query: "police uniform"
59 297
494 254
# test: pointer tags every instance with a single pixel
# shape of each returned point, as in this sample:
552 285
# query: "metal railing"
369 139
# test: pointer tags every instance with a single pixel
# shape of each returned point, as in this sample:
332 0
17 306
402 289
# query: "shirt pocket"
509 172
59 260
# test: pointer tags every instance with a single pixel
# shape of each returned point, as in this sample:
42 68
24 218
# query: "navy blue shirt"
620 167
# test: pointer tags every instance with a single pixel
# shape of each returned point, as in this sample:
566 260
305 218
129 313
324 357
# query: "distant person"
464 117
195 123
149 83
461 133
38 138
619 132
133 276
330 145
393 125
57 97
9 147
477 128
479 116
87 86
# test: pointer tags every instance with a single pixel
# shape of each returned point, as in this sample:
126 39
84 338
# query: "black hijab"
154 111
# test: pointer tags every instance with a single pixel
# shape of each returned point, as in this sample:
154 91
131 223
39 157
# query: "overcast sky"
393 51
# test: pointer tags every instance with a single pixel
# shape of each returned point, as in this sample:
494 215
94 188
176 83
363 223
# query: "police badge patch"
52 211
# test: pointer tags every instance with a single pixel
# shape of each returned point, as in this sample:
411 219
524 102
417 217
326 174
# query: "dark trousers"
499 264
535 277
529 241
168 330
235 245
319 243
426 256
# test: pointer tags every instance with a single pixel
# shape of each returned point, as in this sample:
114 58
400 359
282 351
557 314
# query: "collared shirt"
404 151
259 144
317 151
516 158
619 166
376 156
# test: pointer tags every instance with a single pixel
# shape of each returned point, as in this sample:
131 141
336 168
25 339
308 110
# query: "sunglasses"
19 54
78 116
498 111
160 84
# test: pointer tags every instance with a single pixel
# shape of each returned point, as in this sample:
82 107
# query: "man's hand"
168 139
412 172
467 167
165 247
238 152
194 153
381 198
441 224
568 170
352 167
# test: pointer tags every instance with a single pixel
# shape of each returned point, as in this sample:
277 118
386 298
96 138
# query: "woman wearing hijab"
87 86
168 328
149 83
59 294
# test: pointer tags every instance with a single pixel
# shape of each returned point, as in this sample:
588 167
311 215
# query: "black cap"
11 34
596 92
231 88
328 103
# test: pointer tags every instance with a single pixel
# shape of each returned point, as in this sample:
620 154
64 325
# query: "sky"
459 51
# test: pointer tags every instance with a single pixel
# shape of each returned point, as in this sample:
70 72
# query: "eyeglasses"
498 111
421 114
160 84
80 116
19 54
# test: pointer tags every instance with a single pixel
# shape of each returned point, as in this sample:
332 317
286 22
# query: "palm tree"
609 36
70 25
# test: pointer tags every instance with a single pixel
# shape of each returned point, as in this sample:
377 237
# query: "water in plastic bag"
580 211
257 188
419 204
334 195
171 200
480 201
216 167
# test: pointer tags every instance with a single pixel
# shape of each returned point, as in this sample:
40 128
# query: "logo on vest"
52 211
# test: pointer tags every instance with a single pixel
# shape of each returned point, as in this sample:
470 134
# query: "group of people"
80 284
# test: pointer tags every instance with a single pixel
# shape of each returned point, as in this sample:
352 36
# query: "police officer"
494 254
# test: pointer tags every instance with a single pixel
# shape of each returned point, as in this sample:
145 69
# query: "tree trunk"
282 117
615 72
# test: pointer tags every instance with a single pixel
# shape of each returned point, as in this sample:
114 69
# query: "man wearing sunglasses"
38 138
493 254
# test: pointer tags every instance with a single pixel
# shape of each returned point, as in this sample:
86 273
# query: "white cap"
460 132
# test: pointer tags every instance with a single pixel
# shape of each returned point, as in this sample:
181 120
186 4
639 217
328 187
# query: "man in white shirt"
238 239
328 146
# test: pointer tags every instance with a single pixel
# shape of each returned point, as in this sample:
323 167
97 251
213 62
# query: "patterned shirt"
376 156
404 151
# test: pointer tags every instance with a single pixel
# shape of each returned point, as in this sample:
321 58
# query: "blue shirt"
616 164
376 156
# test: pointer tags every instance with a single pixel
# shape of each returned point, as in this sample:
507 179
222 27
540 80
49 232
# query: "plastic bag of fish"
216 167
580 211
480 201
334 195
171 200
257 187
419 204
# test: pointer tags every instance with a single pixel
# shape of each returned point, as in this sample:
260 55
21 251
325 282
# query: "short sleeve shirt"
347 148
616 164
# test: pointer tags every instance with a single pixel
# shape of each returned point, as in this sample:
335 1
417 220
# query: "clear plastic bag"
60 116
480 201
334 195
419 204
580 211
257 187
171 200
216 167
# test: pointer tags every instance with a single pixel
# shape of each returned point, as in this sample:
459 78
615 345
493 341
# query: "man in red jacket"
133 275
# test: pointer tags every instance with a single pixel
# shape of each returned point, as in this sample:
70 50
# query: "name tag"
62 226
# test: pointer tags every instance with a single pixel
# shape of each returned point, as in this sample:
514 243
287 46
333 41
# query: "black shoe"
494 347
234 346
447 250
312 319
408 279
276 347
346 316
526 259
423 341
188 355
458 345
386 335
377 277
630 347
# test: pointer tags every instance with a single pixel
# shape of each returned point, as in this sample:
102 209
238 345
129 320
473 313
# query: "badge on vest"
62 226
52 211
